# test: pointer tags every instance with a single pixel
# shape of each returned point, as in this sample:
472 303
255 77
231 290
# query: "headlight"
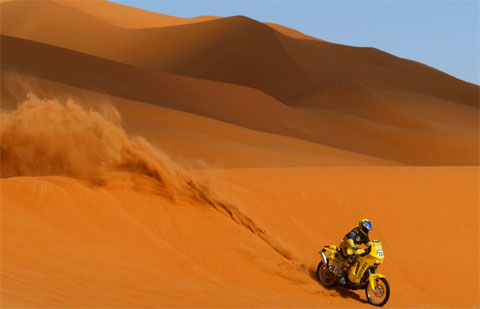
378 261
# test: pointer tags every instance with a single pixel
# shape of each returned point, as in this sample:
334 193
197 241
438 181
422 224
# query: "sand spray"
48 137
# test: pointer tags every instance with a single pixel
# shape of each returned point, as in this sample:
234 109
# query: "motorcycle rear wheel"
325 276
379 296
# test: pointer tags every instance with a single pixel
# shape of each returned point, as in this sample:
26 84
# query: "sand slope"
388 136
159 255
114 242
191 138
203 162
235 50
332 64
324 201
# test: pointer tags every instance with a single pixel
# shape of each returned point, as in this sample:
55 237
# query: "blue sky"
441 34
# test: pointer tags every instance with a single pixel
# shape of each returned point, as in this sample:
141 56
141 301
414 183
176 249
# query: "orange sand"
258 145
389 132
115 242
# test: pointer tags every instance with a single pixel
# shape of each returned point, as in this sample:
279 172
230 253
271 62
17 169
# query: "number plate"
379 250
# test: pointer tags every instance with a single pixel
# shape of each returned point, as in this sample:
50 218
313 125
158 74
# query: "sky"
444 34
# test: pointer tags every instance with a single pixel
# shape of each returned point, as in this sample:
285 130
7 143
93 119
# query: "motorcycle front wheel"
325 276
380 294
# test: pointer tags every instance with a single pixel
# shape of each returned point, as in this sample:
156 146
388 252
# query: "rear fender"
374 277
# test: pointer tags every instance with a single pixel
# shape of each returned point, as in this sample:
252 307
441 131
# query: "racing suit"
350 243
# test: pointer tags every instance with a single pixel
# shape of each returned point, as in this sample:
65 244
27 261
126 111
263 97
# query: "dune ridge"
251 108
189 136
127 16
234 49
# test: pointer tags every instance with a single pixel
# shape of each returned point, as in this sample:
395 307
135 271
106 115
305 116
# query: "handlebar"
367 251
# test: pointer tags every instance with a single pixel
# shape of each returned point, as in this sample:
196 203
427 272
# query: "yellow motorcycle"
362 274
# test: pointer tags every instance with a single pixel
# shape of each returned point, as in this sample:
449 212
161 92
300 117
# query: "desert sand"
155 161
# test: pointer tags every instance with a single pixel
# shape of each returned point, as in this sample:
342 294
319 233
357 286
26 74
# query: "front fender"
324 258
374 277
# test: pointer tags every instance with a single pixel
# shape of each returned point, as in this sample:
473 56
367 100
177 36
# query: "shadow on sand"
350 294
345 293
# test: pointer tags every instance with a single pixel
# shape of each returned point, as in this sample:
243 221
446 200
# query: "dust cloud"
49 137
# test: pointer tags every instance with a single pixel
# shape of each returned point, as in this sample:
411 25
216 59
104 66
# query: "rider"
352 240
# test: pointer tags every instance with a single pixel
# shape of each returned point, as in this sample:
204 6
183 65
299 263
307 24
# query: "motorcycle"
362 274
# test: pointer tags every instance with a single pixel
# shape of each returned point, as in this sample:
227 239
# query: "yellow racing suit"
351 242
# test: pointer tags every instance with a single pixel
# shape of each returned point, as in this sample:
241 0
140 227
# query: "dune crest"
128 16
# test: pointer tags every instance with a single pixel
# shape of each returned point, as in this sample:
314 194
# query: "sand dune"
154 161
188 136
191 138
386 139
412 147
202 48
290 32
236 50
86 145
127 16
356 99
203 97
332 64
159 255
130 204
419 219
415 121
116 246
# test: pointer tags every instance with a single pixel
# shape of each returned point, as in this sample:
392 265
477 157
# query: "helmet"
364 226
